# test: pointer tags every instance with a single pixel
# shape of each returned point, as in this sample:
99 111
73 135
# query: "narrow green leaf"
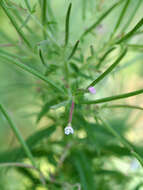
84 5
117 61
131 16
135 46
112 98
33 72
93 26
44 12
67 24
31 141
73 50
122 106
7 12
121 17
92 50
39 135
44 8
104 56
42 58
18 135
25 22
45 109
129 34
27 5
122 140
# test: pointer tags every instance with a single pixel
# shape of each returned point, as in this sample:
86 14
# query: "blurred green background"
93 158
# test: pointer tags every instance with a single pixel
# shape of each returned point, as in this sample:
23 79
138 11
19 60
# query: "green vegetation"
71 95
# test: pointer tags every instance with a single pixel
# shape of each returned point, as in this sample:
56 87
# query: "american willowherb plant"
62 68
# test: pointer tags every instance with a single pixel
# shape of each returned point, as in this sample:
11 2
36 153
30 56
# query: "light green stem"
18 136
112 98
122 140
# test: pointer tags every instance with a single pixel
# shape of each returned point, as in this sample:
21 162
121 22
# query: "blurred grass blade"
113 98
117 61
34 72
84 4
122 140
73 50
18 135
120 17
7 12
135 46
31 141
67 24
104 56
27 5
131 16
92 50
130 34
42 58
39 135
93 26
25 22
122 106
44 18
45 109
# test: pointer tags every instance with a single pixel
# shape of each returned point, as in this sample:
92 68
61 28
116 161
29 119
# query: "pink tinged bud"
68 130
92 90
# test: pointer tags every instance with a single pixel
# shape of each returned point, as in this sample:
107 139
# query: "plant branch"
117 61
113 98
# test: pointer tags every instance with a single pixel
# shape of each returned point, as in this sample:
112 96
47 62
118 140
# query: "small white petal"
68 130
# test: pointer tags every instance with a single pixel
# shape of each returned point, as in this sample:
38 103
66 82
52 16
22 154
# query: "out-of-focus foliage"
50 53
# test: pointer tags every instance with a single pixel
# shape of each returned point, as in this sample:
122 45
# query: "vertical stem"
18 136
71 112
44 9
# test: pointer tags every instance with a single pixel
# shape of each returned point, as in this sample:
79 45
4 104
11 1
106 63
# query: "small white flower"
69 130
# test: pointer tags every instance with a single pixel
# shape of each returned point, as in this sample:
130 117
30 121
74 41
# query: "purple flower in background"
92 90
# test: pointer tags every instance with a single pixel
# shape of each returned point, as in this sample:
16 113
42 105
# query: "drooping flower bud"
92 90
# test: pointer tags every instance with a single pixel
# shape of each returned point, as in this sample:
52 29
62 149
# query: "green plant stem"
135 46
93 26
122 106
131 16
44 9
14 24
27 5
103 75
67 24
104 56
18 136
112 98
120 18
73 50
33 72
122 140
129 34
